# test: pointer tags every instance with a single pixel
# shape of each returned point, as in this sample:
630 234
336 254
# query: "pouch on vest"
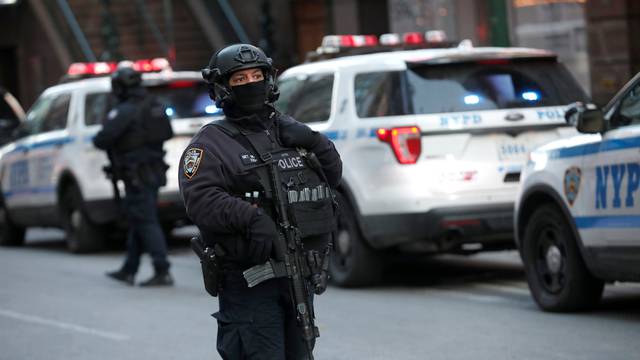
309 198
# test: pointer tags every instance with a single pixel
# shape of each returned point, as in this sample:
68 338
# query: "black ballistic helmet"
123 79
230 59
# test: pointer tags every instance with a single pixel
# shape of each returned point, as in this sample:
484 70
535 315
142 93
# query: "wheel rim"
343 249
551 261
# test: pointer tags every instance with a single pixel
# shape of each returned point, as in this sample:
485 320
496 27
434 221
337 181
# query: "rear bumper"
443 229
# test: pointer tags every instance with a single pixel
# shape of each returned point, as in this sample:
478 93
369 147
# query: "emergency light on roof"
340 45
357 41
390 39
104 68
98 68
336 41
433 36
412 38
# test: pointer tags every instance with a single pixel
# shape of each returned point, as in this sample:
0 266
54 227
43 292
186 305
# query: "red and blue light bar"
105 68
391 39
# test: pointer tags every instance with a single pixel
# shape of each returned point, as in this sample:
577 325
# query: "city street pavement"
54 305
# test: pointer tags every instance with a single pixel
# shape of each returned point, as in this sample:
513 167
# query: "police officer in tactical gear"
225 188
133 135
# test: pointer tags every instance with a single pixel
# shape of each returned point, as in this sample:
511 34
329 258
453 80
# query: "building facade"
594 39
40 38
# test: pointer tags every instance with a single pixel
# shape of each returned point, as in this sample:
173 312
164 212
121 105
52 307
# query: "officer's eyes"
244 78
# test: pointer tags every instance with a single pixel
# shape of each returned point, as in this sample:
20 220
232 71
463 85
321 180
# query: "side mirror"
587 118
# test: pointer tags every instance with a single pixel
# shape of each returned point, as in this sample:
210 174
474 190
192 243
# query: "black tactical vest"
309 200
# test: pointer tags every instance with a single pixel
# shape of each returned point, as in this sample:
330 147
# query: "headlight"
538 160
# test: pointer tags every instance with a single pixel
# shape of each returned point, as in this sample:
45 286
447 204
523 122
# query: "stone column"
614 45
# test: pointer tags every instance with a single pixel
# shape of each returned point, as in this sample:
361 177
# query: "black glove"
262 233
319 275
299 135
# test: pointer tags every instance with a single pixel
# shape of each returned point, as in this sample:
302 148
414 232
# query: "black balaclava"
249 98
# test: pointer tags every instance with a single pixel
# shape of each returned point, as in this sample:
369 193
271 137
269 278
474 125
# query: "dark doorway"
9 70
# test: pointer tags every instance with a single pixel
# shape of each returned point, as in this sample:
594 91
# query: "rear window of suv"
181 99
184 99
307 98
429 89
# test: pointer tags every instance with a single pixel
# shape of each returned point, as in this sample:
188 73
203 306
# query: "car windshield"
428 89
184 99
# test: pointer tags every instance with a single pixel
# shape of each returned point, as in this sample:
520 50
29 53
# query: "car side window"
96 107
36 116
377 94
629 112
56 117
47 114
307 98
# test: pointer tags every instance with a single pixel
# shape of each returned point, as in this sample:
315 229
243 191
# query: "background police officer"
133 134
225 196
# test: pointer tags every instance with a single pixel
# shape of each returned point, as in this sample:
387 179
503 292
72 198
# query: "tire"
557 275
82 235
353 263
10 233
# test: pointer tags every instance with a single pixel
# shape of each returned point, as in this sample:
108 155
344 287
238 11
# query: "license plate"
512 151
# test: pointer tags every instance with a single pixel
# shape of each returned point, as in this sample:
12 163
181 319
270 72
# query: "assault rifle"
111 173
288 249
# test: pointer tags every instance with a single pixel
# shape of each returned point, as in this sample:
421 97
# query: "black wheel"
82 235
353 263
557 275
10 233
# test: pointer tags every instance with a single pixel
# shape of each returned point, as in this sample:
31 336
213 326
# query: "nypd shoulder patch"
191 161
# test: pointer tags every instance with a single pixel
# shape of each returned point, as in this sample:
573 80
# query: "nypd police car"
578 209
432 140
52 175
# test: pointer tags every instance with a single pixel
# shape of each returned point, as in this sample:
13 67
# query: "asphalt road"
54 305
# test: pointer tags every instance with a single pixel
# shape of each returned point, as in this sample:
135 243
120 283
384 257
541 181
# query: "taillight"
404 141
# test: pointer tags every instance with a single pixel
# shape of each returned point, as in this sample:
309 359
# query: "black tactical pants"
257 323
145 233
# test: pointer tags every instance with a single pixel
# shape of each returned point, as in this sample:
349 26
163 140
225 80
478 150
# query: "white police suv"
52 175
433 140
578 209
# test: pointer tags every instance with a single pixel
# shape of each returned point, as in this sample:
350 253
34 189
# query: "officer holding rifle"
260 187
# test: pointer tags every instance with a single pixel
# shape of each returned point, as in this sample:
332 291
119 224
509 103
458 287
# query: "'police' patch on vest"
288 161
248 159
572 184
191 162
